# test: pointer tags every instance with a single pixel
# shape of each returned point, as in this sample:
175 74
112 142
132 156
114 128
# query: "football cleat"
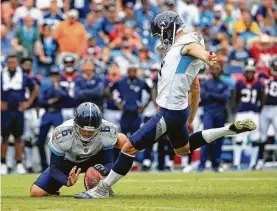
102 190
4 169
243 126
20 169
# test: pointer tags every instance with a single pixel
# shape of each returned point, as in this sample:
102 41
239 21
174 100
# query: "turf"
236 191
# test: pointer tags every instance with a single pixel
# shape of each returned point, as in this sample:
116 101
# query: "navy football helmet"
88 117
273 65
166 25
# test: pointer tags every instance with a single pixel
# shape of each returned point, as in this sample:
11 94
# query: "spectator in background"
246 27
90 26
129 18
206 15
169 5
262 49
239 8
189 13
68 80
27 41
111 112
229 20
130 90
50 48
264 11
89 87
218 21
145 60
70 35
27 9
54 16
92 49
105 25
239 54
144 15
6 46
269 27
52 100
46 5
126 34
124 57
83 7
214 95
13 104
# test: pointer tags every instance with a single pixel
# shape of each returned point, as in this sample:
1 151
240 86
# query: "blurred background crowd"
102 52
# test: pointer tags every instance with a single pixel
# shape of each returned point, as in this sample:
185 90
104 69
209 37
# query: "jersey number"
249 96
271 88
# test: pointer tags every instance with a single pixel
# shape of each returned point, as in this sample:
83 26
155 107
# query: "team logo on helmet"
164 23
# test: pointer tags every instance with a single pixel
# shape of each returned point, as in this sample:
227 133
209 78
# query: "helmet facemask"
93 130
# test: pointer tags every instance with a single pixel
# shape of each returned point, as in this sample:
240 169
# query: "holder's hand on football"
101 169
73 176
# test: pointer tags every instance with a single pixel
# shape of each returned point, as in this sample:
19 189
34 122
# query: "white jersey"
177 73
65 141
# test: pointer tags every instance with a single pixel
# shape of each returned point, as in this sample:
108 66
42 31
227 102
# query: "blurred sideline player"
180 66
269 111
77 144
214 96
69 76
32 116
249 99
14 83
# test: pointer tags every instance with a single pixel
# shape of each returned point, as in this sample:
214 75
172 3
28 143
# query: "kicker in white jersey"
177 73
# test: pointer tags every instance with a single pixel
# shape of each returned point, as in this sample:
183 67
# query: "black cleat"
243 126
30 170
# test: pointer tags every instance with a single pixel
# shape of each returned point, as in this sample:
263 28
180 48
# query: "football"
92 178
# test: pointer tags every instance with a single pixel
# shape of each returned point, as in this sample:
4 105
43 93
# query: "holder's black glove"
101 169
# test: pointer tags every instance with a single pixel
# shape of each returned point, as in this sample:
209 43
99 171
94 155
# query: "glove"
101 169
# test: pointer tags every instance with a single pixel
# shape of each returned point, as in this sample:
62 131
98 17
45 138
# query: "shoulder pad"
109 133
61 139
191 38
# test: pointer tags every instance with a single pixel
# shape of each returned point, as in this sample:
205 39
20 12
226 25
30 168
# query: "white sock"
10 156
254 156
29 156
212 134
185 161
112 178
237 154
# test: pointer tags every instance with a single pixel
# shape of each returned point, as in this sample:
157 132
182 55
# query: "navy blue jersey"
131 92
68 82
91 90
249 93
116 96
50 93
214 95
36 80
13 87
271 90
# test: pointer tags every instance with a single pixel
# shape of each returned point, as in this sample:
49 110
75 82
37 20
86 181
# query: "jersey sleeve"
193 37
57 143
109 132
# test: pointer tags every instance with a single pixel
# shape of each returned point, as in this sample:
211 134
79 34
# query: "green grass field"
236 191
